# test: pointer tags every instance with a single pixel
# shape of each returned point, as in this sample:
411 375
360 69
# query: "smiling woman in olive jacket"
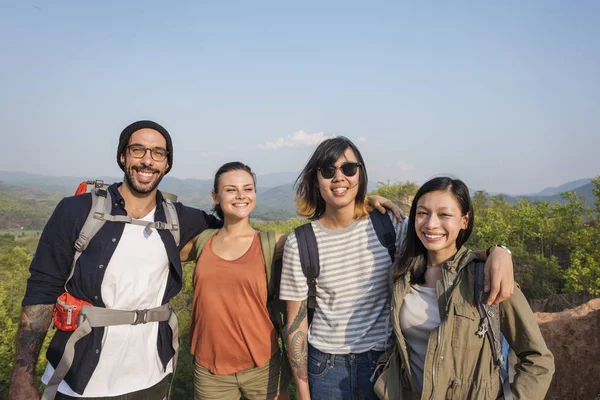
435 317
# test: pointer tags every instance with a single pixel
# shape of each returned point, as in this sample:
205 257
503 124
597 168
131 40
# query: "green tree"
583 274
596 192
399 192
8 329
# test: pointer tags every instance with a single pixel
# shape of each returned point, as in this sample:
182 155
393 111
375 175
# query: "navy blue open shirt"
52 264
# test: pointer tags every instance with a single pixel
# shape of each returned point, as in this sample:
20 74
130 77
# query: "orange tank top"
230 329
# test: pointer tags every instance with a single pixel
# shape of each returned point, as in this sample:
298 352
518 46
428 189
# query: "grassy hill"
275 203
17 212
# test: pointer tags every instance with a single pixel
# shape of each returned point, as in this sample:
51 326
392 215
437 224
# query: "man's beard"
144 188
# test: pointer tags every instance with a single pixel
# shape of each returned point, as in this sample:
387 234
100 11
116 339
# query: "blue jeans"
341 376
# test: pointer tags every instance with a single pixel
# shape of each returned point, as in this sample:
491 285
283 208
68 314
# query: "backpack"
100 212
275 306
490 326
309 252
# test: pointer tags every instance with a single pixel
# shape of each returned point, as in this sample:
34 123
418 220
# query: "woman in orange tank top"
234 343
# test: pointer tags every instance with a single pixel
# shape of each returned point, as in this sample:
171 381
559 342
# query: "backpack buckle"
160 225
483 328
140 317
79 244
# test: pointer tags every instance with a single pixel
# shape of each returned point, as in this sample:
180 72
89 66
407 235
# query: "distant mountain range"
582 187
567 187
275 194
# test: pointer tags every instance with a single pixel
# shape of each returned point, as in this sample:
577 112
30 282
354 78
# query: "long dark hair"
413 255
228 167
309 202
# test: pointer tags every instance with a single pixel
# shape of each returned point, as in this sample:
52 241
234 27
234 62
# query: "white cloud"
299 138
404 166
209 154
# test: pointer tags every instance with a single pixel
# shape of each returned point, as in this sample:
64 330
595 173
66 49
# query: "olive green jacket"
459 363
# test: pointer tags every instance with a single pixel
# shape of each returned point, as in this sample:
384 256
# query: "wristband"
487 252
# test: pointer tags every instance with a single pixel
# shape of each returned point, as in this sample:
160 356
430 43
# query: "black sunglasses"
348 169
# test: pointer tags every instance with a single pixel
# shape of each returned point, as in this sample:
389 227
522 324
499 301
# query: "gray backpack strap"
101 206
91 185
100 212
93 317
490 326
171 225
172 219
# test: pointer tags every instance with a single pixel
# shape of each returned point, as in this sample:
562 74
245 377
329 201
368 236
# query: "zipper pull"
69 316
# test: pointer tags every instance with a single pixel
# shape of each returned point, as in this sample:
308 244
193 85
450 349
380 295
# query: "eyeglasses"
348 169
139 151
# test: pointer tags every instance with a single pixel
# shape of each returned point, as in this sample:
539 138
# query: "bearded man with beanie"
126 266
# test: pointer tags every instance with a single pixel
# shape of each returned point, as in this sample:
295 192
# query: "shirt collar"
118 200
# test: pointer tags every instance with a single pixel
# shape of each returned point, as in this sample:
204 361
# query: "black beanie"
136 126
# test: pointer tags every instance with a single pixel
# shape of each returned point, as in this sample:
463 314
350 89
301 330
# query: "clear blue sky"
505 95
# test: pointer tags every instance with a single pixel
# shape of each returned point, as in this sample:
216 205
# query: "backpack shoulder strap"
309 260
172 219
490 326
267 245
275 306
172 223
385 232
202 240
101 205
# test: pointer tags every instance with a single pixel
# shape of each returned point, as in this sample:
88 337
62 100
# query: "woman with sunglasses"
336 356
436 316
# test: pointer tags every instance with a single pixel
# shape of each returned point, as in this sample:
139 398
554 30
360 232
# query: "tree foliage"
400 193
14 271
555 247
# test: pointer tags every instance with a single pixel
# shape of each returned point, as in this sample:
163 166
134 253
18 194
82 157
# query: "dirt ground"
573 336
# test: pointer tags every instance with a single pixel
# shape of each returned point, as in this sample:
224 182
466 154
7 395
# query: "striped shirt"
352 314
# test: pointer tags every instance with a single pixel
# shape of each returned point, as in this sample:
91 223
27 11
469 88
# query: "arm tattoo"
33 327
298 345
299 353
299 317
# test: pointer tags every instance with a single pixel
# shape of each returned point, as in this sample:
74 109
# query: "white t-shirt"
135 278
419 315
352 314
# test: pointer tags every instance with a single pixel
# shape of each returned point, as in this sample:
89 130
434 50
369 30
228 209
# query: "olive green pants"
259 383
